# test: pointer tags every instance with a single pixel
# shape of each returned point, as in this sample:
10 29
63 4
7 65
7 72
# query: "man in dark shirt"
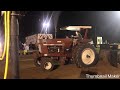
30 46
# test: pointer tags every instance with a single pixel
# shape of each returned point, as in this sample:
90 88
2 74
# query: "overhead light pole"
14 52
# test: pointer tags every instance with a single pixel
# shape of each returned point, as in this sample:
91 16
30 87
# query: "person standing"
24 44
26 49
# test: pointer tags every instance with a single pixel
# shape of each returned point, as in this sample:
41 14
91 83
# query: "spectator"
26 49
24 44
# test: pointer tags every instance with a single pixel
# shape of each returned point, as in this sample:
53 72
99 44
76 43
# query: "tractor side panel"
64 45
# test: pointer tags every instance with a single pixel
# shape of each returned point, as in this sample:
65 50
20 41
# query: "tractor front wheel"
47 64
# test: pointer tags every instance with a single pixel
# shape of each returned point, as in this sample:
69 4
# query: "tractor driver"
78 37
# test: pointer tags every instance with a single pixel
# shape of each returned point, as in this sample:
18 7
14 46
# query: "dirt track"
29 71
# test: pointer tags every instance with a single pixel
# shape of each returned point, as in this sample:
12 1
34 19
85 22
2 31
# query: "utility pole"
95 37
14 46
55 32
54 24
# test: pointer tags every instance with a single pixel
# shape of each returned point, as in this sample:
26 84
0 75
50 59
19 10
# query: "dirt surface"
29 71
70 71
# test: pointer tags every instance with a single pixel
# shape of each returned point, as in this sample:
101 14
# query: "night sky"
105 23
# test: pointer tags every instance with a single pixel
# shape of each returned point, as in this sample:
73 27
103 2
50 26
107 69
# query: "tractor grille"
54 49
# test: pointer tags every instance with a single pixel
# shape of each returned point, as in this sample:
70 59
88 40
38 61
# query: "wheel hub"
48 65
88 56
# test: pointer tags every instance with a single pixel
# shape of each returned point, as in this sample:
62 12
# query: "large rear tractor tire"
86 56
74 52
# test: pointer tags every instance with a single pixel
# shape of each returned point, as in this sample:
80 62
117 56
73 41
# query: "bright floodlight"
117 13
46 25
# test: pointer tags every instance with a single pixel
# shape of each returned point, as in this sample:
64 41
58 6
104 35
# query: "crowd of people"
25 47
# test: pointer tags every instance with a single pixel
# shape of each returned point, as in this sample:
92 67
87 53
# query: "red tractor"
53 52
77 49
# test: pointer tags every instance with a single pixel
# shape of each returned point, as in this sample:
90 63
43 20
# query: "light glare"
117 13
46 24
